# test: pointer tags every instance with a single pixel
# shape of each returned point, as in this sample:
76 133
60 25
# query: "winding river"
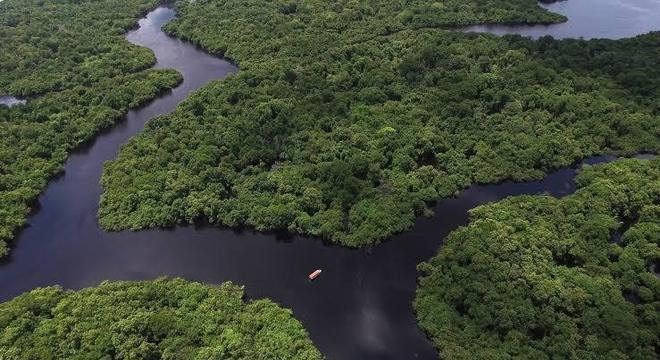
360 308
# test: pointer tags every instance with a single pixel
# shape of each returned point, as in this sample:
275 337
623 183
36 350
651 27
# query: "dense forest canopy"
348 118
81 75
546 278
161 319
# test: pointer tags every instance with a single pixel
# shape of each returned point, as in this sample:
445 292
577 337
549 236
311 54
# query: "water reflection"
587 19
10 101
360 308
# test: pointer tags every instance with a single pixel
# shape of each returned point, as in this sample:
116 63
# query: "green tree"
540 277
161 319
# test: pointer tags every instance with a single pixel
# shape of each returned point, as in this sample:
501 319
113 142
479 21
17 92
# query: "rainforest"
172 171
161 319
347 120
541 277
83 76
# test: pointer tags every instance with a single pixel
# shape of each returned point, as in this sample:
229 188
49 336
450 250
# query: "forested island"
348 120
538 277
161 319
71 61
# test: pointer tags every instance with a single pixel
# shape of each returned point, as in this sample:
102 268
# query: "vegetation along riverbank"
161 319
348 119
540 277
81 75
346 122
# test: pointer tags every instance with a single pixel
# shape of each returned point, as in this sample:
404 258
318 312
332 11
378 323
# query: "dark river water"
612 19
359 308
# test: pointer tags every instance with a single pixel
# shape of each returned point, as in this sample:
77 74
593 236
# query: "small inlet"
10 101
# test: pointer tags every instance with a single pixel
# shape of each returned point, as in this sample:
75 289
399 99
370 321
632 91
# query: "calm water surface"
10 101
360 307
612 19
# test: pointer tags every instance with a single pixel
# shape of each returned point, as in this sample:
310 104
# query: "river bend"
360 308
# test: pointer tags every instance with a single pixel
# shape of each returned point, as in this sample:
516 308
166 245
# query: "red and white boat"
315 274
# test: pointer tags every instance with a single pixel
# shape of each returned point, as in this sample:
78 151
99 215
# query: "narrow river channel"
360 308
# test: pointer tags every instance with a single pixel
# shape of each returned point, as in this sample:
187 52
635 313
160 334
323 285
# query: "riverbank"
614 19
359 308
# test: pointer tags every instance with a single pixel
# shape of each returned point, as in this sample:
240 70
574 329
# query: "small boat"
315 274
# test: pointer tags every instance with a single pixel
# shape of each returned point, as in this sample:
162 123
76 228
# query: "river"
360 307
588 19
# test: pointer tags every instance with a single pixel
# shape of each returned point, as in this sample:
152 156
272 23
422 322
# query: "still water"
587 19
10 101
360 307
